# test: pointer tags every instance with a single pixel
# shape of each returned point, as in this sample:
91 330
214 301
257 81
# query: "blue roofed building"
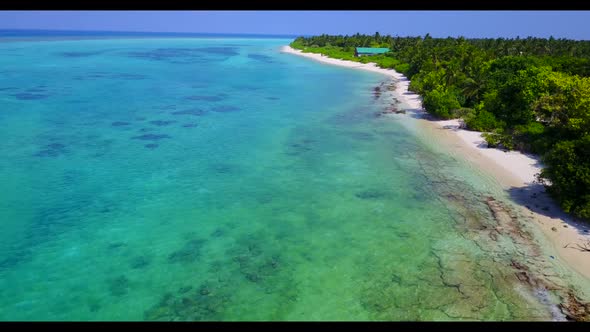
360 51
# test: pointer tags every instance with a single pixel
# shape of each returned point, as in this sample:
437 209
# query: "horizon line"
159 32
269 34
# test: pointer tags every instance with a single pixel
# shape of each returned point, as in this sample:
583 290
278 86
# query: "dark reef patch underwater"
193 111
151 137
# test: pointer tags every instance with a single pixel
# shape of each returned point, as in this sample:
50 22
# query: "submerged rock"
223 168
140 262
261 57
218 232
151 137
254 277
371 194
119 286
185 289
36 90
55 146
204 291
225 109
362 136
124 76
119 123
187 254
206 98
166 107
392 110
377 92
112 76
194 112
80 54
13 260
29 96
396 279
51 150
117 245
208 302
151 146
575 309
161 122
93 306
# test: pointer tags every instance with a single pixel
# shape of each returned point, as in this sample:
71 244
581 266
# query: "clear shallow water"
218 179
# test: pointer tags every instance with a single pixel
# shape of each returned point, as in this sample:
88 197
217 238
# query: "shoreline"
514 171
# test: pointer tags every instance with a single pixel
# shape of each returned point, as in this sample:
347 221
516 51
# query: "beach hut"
359 51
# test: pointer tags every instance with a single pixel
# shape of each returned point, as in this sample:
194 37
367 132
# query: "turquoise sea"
219 179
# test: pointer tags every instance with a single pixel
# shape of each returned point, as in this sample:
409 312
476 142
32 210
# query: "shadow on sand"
536 199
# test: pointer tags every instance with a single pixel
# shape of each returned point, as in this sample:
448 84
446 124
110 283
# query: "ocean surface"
219 179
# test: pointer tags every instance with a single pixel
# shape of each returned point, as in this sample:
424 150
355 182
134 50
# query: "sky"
470 24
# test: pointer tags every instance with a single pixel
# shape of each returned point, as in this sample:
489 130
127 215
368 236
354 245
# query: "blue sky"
560 24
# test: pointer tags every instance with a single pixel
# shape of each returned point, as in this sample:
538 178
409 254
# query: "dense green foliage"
483 121
528 94
568 167
441 102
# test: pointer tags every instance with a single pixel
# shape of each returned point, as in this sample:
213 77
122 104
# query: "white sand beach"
513 170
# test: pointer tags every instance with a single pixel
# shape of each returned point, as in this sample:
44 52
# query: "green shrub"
415 85
507 142
568 173
441 103
499 139
463 113
530 137
387 62
542 143
402 68
483 121
531 129
492 139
